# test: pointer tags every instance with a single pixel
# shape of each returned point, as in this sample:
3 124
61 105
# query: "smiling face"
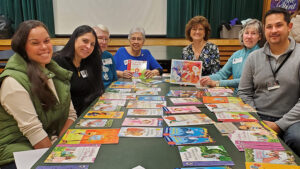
103 39
136 41
277 29
251 37
38 46
197 32
84 45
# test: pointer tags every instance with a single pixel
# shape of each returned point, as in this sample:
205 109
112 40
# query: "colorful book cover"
175 140
146 92
186 93
220 167
147 89
185 101
122 84
229 127
86 154
118 96
186 72
187 120
142 122
182 109
185 131
145 104
137 68
144 112
250 165
104 114
230 107
235 117
218 92
140 132
221 99
94 123
151 98
111 90
63 167
270 156
90 136
204 156
108 105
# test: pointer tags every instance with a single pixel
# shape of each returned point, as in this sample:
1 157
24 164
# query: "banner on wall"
290 5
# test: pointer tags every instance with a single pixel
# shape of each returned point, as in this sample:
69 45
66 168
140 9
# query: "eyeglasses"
103 39
139 39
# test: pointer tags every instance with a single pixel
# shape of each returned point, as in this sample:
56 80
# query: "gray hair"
251 23
102 27
137 30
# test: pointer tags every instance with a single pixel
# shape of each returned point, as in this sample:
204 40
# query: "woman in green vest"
35 95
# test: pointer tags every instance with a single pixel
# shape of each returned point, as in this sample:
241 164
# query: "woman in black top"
82 56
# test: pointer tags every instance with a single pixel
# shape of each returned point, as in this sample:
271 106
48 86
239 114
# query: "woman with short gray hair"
250 37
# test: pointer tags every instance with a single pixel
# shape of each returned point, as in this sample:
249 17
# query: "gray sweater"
283 102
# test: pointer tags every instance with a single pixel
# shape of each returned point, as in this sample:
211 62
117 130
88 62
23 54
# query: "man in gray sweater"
271 79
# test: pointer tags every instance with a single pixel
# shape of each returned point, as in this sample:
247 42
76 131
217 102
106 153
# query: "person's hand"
149 74
127 74
273 126
206 81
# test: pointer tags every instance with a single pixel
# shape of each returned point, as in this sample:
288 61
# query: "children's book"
146 92
185 131
270 156
229 127
137 68
255 139
146 89
151 98
218 91
122 84
104 114
82 123
145 104
81 137
118 96
204 156
112 90
80 166
187 120
108 105
175 140
250 165
186 72
185 101
235 117
220 167
140 132
144 112
142 121
84 154
230 107
186 93
221 99
182 109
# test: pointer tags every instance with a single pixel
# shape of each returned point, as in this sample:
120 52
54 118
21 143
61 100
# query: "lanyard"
285 59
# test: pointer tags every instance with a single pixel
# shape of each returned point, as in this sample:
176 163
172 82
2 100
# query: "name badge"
107 61
273 85
237 60
125 62
84 73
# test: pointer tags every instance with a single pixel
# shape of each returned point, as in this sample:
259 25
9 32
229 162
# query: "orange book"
79 137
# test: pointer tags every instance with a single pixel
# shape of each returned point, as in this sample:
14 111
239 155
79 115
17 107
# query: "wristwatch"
217 83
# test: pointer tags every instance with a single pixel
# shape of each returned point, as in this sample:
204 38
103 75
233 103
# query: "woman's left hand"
206 81
151 73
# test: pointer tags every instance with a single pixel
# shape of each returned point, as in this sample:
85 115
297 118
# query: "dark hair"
297 12
37 78
195 21
93 61
278 10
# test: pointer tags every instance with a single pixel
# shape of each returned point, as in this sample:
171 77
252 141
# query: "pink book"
185 101
183 109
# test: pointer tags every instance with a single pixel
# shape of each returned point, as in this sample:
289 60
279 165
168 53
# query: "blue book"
173 140
63 167
151 98
185 131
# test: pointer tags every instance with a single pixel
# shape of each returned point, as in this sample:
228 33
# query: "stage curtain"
18 11
216 11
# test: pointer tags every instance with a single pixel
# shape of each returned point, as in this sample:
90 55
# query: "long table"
155 153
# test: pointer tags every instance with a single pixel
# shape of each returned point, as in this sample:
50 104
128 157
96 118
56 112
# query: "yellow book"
253 165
